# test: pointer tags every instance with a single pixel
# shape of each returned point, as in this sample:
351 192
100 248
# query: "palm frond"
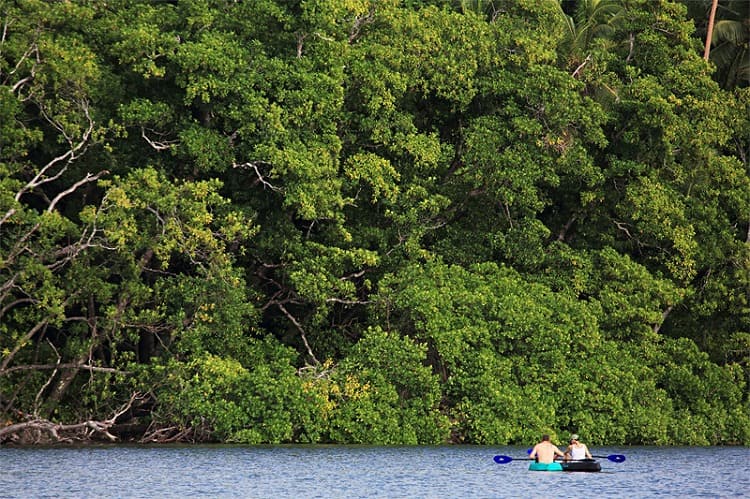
724 54
734 32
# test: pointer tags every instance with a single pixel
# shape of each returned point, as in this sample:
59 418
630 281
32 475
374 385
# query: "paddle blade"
615 458
502 459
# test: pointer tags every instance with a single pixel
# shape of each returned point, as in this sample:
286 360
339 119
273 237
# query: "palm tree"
731 51
590 20
725 26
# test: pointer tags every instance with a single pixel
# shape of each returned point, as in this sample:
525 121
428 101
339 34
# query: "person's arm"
588 454
558 452
532 455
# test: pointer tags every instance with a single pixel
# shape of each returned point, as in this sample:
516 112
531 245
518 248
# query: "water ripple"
360 471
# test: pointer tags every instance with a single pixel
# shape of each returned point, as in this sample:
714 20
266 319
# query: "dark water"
339 471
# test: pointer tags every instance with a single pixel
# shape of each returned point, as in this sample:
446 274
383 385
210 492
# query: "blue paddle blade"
502 459
615 458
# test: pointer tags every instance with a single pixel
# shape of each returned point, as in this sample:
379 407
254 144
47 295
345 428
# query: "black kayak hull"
586 465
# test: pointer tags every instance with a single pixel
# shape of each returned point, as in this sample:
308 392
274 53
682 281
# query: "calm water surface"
353 471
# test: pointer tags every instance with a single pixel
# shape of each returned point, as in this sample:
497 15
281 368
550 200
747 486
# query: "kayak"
584 465
545 466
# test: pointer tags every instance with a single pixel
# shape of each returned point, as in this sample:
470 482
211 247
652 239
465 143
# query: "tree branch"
21 343
38 397
631 42
348 302
301 332
580 67
66 158
158 145
359 23
88 178
77 431
7 215
664 316
12 304
32 49
71 365
254 166
564 231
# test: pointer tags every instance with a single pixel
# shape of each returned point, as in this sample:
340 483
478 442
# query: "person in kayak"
576 451
545 452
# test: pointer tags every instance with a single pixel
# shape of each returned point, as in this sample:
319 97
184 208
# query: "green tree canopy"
360 221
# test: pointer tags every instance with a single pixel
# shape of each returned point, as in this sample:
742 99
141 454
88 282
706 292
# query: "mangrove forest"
386 222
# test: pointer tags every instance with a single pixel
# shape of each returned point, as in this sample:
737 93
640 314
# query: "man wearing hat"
576 451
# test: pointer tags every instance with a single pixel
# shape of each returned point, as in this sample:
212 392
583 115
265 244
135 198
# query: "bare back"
545 452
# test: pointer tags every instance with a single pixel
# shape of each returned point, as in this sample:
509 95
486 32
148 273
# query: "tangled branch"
35 429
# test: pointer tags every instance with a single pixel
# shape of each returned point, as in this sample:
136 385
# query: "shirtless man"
545 452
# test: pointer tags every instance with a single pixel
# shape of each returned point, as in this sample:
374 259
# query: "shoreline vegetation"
391 222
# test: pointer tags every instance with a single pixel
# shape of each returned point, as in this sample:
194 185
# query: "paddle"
507 459
615 458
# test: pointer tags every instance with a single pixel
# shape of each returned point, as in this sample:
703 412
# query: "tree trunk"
710 31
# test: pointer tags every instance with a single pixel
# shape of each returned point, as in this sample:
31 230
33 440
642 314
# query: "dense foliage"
376 221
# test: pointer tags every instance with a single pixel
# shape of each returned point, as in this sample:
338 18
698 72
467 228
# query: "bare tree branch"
13 304
81 367
631 42
37 403
580 67
254 165
20 83
33 49
5 291
564 230
623 227
85 180
300 41
664 316
68 253
348 302
158 144
172 434
66 158
77 431
301 332
7 215
21 343
359 23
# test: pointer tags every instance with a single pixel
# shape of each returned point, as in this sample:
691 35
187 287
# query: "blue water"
353 471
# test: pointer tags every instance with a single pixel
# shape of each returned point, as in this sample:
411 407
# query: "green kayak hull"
545 467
